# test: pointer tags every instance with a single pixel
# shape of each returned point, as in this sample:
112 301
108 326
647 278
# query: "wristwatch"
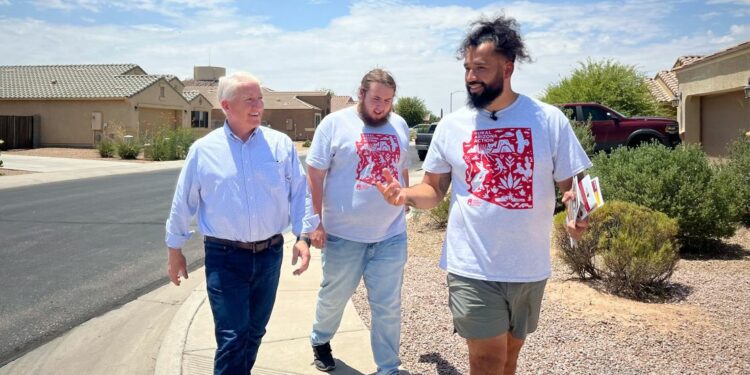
304 238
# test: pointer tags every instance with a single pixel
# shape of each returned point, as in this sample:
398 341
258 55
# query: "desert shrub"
106 148
306 143
738 168
439 213
128 149
630 248
583 132
679 183
169 144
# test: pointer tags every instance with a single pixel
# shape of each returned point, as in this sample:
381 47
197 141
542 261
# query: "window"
596 113
161 92
199 119
570 112
317 119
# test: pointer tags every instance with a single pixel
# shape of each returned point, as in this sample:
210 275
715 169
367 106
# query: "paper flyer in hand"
587 197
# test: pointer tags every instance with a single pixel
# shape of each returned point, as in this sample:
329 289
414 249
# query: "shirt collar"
230 134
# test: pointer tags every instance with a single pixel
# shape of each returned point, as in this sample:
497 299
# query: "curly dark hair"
502 31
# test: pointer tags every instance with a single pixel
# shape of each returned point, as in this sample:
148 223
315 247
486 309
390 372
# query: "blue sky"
312 44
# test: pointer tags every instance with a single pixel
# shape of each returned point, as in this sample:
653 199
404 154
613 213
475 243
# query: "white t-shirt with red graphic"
503 187
355 155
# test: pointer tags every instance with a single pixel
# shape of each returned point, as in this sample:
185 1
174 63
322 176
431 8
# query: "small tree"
412 109
608 82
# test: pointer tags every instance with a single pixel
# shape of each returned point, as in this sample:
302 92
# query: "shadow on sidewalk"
442 367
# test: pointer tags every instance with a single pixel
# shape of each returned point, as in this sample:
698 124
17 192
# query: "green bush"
169 144
439 213
307 143
679 183
583 132
739 169
128 149
106 148
630 248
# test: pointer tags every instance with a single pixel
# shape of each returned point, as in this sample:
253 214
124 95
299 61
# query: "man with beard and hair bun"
361 235
503 154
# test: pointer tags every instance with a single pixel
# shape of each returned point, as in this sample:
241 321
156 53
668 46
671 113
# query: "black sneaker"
323 358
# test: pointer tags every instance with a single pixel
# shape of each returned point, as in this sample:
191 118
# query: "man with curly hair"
502 154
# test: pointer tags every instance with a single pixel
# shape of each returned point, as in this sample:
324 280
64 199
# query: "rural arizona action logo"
376 152
500 167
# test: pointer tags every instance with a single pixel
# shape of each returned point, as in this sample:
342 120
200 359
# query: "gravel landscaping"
705 329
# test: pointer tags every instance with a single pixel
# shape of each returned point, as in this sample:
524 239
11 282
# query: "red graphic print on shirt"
377 152
500 167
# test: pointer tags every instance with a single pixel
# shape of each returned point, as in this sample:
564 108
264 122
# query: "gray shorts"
484 309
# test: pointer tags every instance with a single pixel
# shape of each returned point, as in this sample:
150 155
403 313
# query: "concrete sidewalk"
189 344
63 169
176 322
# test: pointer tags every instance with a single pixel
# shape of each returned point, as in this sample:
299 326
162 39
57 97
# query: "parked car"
423 139
612 129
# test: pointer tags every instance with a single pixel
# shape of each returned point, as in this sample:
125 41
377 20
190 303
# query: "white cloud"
735 2
4 2
416 42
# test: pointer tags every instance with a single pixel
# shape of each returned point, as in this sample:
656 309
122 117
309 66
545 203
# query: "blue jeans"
381 264
242 290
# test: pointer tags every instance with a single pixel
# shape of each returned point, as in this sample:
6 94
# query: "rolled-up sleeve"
297 193
184 204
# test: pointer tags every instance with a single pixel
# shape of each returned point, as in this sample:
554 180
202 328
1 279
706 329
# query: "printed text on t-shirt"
500 167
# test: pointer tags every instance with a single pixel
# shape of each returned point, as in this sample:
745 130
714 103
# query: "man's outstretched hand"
391 190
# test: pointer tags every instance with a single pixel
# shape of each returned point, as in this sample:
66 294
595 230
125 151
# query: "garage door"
151 120
722 118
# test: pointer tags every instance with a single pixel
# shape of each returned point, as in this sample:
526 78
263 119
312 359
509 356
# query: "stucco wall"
303 122
719 75
68 122
723 116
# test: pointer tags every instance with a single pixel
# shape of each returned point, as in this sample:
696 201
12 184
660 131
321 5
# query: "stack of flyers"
587 198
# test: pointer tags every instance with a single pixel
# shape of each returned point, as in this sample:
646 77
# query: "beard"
369 120
483 99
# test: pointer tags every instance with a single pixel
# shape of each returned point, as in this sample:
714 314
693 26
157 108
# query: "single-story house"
713 108
295 113
664 86
78 105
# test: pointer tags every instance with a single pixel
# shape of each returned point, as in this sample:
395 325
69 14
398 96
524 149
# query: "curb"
169 360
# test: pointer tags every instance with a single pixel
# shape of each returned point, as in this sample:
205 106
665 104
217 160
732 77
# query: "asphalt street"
73 250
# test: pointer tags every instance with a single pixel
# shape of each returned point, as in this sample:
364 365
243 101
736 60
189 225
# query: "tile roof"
272 99
669 79
209 92
285 100
190 94
660 92
106 81
743 45
339 102
686 60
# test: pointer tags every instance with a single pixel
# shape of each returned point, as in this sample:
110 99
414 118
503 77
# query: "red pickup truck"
612 129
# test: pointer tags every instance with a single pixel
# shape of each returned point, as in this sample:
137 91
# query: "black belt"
255 247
